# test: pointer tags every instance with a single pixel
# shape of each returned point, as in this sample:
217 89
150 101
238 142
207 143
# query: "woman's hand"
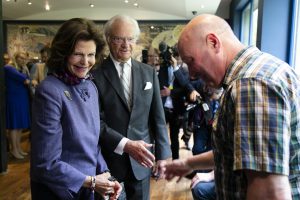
106 187
34 83
26 82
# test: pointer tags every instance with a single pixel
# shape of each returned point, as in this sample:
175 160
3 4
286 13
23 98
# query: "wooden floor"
14 184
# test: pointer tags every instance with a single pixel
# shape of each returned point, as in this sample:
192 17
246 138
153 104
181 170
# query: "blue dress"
17 99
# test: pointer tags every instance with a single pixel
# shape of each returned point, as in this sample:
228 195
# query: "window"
245 32
249 23
254 26
295 48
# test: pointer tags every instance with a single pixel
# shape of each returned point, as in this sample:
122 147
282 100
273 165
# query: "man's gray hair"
124 18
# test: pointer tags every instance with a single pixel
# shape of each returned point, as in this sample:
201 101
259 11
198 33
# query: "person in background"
153 58
7 59
39 70
66 159
203 185
203 114
174 85
132 111
17 81
255 137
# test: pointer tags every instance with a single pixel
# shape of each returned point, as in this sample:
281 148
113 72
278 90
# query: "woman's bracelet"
93 183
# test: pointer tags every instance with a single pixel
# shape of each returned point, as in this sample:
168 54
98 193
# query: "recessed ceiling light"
202 6
126 1
47 7
92 5
29 2
136 4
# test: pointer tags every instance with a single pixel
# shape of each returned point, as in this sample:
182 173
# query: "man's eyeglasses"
121 40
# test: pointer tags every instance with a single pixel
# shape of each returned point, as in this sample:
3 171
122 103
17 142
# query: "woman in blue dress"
17 102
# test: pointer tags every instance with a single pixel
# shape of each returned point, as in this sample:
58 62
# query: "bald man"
256 131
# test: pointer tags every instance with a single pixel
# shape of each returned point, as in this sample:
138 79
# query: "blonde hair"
16 55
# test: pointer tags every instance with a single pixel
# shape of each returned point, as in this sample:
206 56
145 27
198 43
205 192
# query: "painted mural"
32 37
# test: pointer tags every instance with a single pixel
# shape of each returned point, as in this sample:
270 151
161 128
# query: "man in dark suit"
133 118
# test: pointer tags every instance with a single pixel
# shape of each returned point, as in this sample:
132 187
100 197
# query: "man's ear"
213 41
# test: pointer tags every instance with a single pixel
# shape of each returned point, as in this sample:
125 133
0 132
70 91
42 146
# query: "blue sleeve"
183 79
12 73
101 164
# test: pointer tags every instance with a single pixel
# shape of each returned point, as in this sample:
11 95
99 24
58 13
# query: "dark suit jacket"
181 87
145 122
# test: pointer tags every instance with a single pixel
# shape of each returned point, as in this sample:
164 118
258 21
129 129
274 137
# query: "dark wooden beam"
3 144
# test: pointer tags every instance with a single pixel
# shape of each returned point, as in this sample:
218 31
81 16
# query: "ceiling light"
126 1
47 7
7 0
202 6
29 2
91 4
136 4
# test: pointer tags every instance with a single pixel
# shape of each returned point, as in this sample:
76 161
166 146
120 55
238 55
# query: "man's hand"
173 62
202 177
193 95
158 168
178 167
165 92
138 151
117 191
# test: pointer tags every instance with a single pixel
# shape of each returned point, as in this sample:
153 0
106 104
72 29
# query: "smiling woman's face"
83 58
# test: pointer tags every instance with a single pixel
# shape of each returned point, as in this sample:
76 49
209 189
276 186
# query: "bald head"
203 24
208 45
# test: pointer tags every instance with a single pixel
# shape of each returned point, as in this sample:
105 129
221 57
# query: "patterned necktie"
126 84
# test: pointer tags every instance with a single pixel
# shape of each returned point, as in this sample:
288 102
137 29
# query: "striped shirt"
258 124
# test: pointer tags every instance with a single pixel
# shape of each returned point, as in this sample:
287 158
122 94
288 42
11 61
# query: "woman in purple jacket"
66 161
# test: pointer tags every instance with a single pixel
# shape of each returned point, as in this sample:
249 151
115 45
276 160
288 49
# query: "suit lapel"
112 76
137 80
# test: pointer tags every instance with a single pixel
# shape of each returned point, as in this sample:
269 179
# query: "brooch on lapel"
148 86
68 95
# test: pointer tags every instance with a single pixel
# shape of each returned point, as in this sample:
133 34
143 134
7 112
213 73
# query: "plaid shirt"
258 124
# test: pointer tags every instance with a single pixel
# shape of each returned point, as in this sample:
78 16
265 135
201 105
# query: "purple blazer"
65 136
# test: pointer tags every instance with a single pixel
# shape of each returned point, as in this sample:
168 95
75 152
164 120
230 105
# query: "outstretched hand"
138 151
175 168
157 169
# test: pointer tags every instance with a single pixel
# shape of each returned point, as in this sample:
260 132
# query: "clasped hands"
139 151
105 187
